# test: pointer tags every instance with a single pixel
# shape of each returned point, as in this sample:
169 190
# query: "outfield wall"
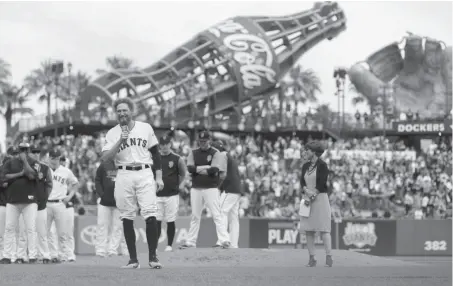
376 237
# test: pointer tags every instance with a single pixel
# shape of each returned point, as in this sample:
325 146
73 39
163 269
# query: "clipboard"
304 211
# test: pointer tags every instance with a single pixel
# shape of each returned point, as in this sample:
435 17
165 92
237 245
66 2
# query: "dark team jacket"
20 190
201 158
44 186
171 170
105 183
2 189
232 182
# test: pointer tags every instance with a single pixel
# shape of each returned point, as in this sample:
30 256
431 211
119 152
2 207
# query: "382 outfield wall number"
435 245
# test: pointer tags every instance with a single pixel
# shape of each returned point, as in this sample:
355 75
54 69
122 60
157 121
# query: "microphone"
125 128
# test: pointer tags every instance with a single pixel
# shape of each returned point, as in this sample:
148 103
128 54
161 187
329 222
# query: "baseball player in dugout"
109 228
21 174
174 173
134 147
231 194
208 169
64 187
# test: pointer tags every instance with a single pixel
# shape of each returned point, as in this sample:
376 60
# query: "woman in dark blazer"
314 188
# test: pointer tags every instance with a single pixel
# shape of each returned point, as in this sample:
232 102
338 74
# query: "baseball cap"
218 144
24 145
54 154
204 135
164 140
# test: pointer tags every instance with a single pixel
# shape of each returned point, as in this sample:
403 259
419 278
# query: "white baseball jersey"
135 151
62 177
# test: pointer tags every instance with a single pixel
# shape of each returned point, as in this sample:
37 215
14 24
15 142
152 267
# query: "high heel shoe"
329 261
311 262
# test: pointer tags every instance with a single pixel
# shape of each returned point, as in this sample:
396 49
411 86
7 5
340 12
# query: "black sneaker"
154 263
45 261
132 264
55 260
19 261
5 261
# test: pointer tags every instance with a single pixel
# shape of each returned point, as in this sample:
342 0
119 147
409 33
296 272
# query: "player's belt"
136 168
55 201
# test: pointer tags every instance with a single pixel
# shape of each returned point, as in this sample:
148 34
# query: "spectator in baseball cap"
204 140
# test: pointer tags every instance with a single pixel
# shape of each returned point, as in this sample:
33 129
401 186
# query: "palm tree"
305 83
12 100
5 73
358 97
117 62
41 82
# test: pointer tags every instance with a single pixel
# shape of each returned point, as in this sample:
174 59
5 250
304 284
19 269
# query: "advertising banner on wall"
424 237
285 234
85 234
422 127
375 237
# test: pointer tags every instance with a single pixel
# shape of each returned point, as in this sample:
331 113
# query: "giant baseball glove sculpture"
420 73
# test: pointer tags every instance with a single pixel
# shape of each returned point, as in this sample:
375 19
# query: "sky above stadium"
85 33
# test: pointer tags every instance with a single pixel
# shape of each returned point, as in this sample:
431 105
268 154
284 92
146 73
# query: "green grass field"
237 267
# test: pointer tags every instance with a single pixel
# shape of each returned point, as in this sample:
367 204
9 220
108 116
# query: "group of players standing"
137 174
146 178
36 192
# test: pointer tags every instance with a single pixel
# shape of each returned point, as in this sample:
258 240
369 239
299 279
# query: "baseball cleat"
19 261
226 245
45 261
32 261
55 260
168 248
131 265
154 263
5 261
185 246
71 260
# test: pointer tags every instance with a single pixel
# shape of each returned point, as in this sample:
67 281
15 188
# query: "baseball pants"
109 232
211 197
56 212
132 187
2 235
167 208
229 206
69 233
41 237
13 212
2 228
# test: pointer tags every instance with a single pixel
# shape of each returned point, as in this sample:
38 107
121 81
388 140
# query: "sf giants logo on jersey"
130 142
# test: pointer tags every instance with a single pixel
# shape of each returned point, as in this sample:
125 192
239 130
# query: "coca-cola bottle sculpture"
221 68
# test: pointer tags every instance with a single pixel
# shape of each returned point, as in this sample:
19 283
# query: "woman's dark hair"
125 100
316 146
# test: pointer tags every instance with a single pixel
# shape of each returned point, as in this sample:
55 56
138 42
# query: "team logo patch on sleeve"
170 164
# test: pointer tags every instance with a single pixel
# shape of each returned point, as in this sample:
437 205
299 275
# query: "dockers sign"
422 127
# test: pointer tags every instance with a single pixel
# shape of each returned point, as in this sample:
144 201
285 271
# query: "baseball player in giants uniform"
11 153
207 166
229 199
174 173
64 186
109 229
21 174
134 147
